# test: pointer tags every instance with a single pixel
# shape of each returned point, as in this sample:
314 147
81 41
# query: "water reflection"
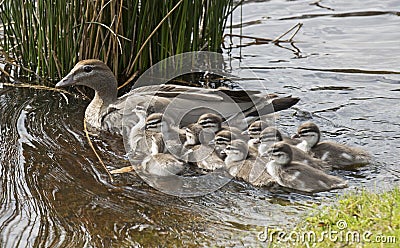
55 192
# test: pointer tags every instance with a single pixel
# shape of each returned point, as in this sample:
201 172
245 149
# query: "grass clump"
359 219
49 37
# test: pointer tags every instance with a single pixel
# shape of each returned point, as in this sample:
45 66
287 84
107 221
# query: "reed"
48 37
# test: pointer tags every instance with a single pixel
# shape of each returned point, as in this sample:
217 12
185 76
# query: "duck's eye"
87 68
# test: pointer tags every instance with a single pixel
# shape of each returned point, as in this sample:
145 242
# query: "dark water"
344 65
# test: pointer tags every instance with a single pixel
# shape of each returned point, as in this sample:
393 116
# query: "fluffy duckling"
158 122
136 142
298 176
202 155
210 121
213 123
240 165
271 135
159 163
173 136
221 140
254 131
338 155
224 138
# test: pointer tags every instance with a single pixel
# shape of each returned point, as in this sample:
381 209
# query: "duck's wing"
186 104
212 162
250 102
305 178
303 157
258 175
245 169
163 165
264 180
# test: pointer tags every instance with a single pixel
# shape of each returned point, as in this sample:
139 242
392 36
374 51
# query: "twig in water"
258 41
122 170
37 87
94 150
298 26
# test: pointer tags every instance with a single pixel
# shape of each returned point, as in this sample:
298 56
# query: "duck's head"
308 132
280 152
268 137
94 74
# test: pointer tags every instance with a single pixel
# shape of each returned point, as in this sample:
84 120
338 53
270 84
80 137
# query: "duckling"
135 139
141 133
158 122
224 138
240 165
296 175
173 136
254 131
202 155
210 121
221 140
213 123
158 163
271 135
338 155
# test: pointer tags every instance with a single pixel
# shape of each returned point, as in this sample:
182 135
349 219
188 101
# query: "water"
343 65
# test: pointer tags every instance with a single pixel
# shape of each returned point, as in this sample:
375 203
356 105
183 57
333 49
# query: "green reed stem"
49 37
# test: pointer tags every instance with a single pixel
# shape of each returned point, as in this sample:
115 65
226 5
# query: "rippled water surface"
344 65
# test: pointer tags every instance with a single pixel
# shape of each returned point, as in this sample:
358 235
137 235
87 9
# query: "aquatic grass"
49 37
358 219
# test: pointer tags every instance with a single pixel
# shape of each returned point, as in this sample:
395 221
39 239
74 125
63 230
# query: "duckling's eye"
87 68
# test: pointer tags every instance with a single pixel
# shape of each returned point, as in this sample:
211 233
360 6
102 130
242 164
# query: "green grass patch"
358 219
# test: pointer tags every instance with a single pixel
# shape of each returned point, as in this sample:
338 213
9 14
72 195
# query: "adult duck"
109 112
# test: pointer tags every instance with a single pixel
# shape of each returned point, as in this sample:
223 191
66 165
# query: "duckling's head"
268 137
157 122
309 132
192 132
223 138
210 122
280 152
236 151
255 128
94 74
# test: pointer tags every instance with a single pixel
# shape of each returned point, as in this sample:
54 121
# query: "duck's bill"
66 81
295 136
